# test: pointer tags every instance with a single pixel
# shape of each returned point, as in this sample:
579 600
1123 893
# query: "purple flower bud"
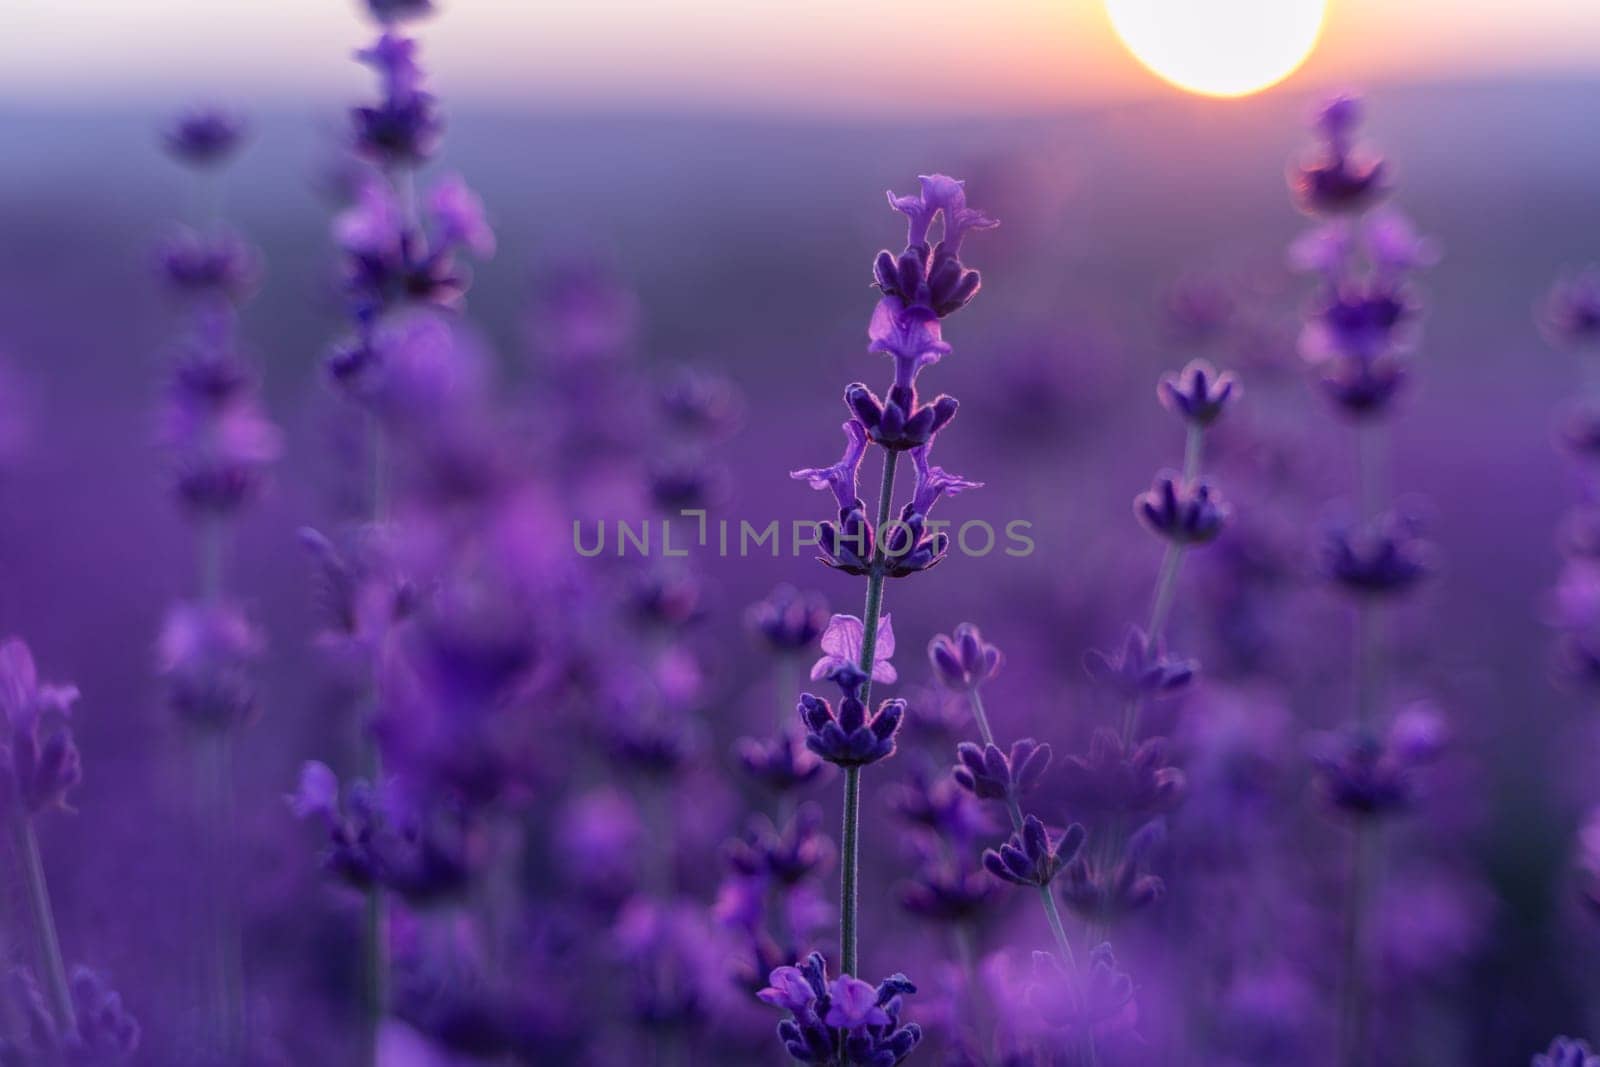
1359 320
788 620
788 856
850 739
1110 779
1140 669
939 804
219 263
1181 512
39 763
1363 388
206 655
1382 557
1366 776
867 1019
459 217
964 661
1569 316
107 1032
946 892
1030 858
204 137
1099 999
1579 430
397 11
990 774
780 764
1335 181
1101 893
1567 1052
1199 394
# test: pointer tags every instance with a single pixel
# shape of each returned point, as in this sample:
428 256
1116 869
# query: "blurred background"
725 163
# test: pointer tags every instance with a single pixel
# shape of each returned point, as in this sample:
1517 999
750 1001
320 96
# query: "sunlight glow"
1219 47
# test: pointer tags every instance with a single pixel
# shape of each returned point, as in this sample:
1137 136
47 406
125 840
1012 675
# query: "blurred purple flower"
204 137
39 763
206 654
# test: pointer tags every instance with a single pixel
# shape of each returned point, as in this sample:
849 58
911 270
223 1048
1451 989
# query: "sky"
827 57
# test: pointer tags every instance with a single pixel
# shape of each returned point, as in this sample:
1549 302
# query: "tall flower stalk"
80 1019
1357 335
399 255
222 446
920 287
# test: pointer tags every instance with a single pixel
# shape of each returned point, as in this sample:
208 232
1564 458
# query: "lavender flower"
1140 669
207 651
1365 775
1182 511
1199 395
1569 316
1566 1052
1110 779
217 263
1099 999
789 855
990 774
788 620
1336 179
1383 557
964 661
843 1021
1031 857
850 738
204 137
779 764
946 892
39 763
403 128
841 650
1101 893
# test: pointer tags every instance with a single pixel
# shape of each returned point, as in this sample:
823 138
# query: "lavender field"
444 622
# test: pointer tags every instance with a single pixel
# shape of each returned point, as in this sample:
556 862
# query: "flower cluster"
841 1020
1361 324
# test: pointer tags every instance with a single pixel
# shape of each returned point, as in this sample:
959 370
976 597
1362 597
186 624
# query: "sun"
1219 47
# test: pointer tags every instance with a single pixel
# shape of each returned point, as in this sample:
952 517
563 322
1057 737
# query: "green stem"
51 965
850 858
375 939
1354 1022
1051 912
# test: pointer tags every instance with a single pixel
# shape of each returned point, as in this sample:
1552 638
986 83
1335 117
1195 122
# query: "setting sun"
1219 47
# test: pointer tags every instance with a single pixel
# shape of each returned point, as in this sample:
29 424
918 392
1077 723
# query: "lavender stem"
1167 580
26 845
1051 911
1353 1021
375 939
850 851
